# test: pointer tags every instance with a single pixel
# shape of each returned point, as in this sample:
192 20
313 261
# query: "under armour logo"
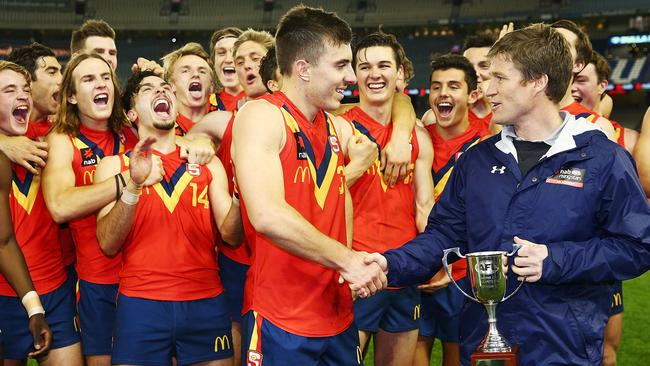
500 170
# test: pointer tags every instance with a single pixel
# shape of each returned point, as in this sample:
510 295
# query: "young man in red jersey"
391 316
90 125
46 84
589 88
189 70
170 299
23 330
36 232
454 89
475 49
221 54
580 48
293 191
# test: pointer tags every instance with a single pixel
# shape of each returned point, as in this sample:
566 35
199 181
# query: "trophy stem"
493 341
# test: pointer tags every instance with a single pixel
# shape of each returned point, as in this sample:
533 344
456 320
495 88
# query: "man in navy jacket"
555 184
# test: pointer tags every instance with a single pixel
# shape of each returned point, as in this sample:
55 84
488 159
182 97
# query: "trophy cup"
487 272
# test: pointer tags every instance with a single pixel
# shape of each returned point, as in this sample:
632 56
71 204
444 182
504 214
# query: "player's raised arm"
114 221
212 125
396 155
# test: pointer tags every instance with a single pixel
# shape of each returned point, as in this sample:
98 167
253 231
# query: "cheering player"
221 45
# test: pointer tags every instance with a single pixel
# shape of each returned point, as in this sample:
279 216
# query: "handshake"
365 273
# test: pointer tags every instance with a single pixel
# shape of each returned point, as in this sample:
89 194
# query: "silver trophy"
487 272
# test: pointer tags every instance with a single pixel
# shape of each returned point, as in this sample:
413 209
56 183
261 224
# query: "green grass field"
633 350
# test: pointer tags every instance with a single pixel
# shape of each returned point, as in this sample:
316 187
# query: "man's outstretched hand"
365 277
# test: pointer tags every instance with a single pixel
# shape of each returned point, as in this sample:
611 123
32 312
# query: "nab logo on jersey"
254 358
88 157
194 169
300 147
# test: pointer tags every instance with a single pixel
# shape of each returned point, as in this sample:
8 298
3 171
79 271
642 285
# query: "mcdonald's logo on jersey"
89 177
221 343
303 171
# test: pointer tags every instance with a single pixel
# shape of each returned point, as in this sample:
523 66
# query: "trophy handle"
446 266
515 249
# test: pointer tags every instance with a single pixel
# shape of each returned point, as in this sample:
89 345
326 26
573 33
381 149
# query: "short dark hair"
454 61
268 66
479 41
132 87
538 50
90 28
26 56
379 39
603 70
302 33
583 44
229 32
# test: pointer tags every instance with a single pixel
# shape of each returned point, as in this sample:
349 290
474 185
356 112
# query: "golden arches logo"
416 312
618 299
359 355
221 343
89 177
304 172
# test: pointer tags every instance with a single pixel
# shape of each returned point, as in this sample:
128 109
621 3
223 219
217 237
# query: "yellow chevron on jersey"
440 183
170 191
323 176
25 192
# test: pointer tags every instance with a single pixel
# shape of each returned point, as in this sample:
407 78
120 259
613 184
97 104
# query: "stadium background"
620 30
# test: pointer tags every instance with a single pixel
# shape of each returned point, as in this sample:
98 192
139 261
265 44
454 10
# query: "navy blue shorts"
150 332
96 309
617 298
59 314
265 344
390 310
440 313
233 278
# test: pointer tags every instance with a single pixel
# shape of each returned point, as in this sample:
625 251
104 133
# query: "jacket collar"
562 139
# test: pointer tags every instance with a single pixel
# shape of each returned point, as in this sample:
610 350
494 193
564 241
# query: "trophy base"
495 358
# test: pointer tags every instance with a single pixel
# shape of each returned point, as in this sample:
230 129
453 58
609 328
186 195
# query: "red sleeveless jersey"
90 146
224 101
242 253
579 110
445 155
295 294
377 226
36 232
483 121
183 125
169 253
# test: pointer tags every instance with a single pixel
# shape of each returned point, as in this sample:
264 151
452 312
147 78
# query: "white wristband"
129 198
32 304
